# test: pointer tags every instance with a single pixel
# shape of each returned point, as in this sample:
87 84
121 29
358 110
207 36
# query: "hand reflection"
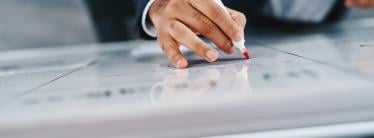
217 82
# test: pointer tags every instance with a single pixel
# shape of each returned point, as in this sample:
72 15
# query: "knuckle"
176 31
197 15
174 28
158 7
243 18
207 28
216 12
178 35
174 5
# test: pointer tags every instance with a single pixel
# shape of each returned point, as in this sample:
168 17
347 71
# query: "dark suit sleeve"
112 19
253 9
140 5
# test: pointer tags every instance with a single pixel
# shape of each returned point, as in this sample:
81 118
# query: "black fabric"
337 13
114 20
140 4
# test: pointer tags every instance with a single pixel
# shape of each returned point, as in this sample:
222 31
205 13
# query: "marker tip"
246 54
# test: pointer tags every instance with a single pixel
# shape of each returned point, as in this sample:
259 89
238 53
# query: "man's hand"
178 21
360 3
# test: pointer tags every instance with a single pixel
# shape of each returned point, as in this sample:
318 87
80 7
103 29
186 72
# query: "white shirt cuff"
147 25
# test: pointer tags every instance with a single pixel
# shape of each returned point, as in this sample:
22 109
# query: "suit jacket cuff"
147 25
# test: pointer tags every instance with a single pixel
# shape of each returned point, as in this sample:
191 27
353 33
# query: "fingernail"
181 64
212 55
238 36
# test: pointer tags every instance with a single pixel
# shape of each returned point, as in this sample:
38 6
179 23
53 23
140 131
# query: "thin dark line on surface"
366 45
327 64
48 82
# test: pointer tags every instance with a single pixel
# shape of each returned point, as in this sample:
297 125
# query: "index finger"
220 17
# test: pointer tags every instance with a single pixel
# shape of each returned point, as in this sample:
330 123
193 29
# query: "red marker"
240 45
246 54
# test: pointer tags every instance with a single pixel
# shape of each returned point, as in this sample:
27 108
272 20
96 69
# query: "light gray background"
35 23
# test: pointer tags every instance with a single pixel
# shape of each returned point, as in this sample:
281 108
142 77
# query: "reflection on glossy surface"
178 87
350 49
363 61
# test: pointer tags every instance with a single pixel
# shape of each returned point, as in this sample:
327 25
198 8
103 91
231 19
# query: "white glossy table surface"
321 78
